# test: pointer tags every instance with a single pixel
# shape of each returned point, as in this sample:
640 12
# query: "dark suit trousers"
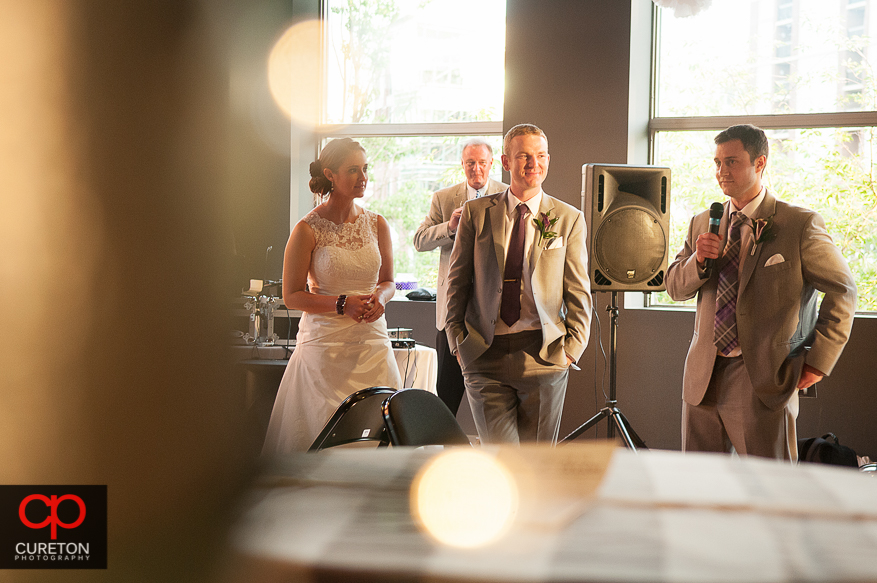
516 396
449 384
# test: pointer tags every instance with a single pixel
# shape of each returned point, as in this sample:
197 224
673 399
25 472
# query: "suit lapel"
495 213
460 195
767 208
545 206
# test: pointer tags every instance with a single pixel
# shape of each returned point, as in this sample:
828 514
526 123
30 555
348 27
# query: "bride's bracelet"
339 305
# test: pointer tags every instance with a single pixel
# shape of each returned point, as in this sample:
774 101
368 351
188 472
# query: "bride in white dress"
338 270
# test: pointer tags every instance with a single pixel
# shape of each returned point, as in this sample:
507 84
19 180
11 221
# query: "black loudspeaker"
627 212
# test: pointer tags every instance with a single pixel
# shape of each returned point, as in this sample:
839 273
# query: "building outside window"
412 80
801 70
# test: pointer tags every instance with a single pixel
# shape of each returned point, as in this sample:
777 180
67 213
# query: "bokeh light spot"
294 73
465 498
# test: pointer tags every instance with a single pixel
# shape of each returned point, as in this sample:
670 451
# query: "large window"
403 174
800 69
412 80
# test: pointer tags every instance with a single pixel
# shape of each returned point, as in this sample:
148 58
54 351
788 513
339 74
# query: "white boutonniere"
763 229
544 223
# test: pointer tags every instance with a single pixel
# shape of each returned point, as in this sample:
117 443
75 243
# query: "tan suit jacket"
778 325
433 232
559 278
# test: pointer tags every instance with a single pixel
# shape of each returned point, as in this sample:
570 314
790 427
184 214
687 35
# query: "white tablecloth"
418 366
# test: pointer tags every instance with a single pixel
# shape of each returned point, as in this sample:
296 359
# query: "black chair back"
416 417
358 418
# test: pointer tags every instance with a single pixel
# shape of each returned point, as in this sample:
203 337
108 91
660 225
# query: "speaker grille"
601 279
629 246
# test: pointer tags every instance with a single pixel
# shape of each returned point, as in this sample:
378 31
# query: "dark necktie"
726 294
510 309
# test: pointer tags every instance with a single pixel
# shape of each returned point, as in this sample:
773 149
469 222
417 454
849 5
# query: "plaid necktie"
510 308
726 295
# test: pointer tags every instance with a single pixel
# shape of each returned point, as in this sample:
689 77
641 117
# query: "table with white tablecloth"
262 367
418 367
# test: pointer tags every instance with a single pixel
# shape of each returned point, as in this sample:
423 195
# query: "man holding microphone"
756 266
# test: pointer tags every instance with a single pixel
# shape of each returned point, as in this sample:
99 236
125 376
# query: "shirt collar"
513 201
749 209
471 192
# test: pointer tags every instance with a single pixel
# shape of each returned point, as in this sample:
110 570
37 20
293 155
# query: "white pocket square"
774 259
555 243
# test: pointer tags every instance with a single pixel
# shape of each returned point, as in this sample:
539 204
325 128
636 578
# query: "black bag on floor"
826 450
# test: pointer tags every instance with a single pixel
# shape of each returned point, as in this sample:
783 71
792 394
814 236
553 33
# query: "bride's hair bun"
318 183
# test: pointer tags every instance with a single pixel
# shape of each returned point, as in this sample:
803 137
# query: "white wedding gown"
334 356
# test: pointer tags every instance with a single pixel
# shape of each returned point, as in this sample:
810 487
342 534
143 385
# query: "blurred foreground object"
111 151
653 516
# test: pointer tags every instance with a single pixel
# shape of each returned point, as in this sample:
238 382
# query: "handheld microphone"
716 212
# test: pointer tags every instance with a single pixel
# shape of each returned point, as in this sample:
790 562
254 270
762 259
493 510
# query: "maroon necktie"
510 309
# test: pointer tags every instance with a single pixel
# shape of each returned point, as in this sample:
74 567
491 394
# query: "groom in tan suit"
746 365
519 302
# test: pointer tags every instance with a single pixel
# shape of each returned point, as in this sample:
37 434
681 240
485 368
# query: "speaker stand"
616 418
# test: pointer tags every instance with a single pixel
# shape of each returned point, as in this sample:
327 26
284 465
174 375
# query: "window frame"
325 131
795 121
389 130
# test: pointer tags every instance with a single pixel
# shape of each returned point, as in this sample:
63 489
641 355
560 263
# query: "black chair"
358 418
416 417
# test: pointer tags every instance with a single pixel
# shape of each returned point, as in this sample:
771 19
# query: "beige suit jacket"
778 325
433 232
559 279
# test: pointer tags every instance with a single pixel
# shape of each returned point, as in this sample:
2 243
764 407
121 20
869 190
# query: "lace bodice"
347 258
